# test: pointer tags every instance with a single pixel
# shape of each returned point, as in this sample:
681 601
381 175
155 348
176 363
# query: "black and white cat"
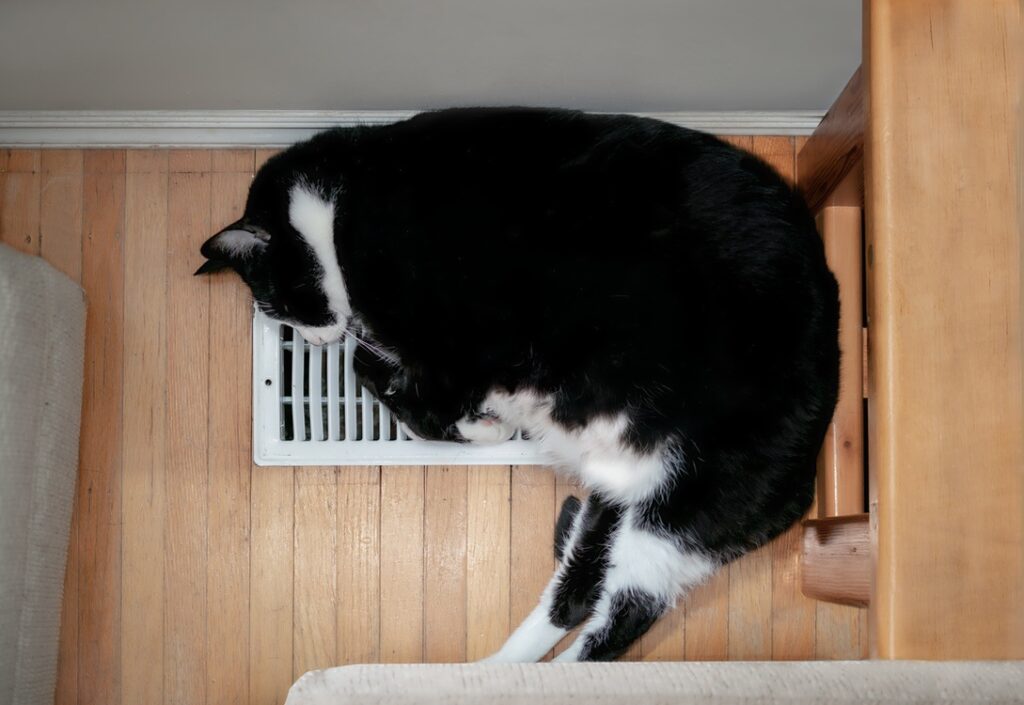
649 303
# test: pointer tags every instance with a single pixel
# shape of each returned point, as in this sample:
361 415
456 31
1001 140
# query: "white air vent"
308 409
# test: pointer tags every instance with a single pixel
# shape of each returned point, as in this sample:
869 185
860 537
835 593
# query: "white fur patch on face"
313 217
320 335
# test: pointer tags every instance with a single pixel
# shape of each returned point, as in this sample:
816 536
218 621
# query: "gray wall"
395 54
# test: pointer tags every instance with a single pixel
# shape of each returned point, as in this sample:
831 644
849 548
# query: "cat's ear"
232 245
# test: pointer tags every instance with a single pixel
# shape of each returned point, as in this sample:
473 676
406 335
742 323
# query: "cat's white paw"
485 429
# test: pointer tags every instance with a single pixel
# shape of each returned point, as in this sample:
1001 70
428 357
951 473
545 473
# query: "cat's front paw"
484 429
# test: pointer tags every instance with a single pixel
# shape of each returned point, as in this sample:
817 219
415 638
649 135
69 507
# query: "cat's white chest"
595 452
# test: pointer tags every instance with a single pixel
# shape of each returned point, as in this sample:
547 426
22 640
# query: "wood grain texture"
444 555
943 177
188 411
23 160
707 620
836 560
359 524
144 452
315 635
531 538
230 466
666 640
841 462
837 632
401 564
99 486
750 606
271 596
488 526
19 208
60 210
836 145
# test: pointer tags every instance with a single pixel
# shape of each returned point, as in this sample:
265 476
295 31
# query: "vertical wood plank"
841 463
358 562
144 404
316 601
487 559
23 160
271 587
794 616
707 619
401 564
61 245
19 209
187 441
532 538
837 632
60 210
227 161
750 606
230 464
190 161
666 640
944 278
99 487
444 540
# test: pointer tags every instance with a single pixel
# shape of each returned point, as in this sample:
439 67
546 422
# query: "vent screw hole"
267 382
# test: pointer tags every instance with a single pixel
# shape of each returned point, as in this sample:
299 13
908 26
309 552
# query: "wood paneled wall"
195 577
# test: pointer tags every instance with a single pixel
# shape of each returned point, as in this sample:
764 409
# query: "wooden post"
946 423
841 464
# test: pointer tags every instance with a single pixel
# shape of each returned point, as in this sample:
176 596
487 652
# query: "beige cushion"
751 683
42 334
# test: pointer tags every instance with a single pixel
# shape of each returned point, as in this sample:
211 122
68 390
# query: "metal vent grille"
308 409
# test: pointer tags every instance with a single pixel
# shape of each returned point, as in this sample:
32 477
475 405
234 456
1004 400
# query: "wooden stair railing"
836 562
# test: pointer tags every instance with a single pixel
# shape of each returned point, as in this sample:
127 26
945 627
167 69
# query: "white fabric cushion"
694 683
42 337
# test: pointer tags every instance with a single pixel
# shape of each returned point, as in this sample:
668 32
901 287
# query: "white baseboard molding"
274 128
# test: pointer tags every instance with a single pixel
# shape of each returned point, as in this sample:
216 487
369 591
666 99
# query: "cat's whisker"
384 355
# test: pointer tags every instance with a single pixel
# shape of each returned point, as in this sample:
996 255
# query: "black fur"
630 616
618 264
570 508
584 569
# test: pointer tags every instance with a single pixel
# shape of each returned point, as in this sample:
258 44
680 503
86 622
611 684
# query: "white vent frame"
324 440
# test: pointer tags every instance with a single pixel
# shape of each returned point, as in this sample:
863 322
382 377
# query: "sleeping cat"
649 303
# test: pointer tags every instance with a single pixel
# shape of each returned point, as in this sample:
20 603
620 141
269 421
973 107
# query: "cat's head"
283 248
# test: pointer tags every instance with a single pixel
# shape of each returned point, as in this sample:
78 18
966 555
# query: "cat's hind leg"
645 574
563 526
574 590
